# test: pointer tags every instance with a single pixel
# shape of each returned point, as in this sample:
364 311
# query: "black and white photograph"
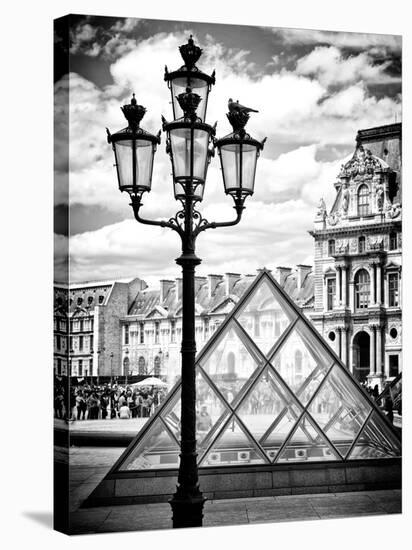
227 274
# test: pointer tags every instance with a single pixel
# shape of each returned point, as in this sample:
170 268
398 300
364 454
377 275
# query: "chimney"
281 273
199 281
212 281
178 286
302 271
165 286
230 280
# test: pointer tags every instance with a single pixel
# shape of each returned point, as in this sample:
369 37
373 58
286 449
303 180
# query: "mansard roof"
219 301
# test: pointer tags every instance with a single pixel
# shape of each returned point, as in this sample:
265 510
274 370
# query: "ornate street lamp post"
111 369
190 143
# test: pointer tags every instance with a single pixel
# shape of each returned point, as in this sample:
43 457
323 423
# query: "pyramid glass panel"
307 444
157 449
265 316
209 410
340 409
297 404
230 363
375 441
264 403
302 362
232 447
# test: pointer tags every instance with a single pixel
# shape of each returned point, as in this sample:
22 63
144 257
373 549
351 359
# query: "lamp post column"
187 502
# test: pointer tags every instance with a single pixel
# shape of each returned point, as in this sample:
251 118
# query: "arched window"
363 200
361 245
362 289
331 247
141 365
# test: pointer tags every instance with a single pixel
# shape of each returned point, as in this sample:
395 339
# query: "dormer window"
331 247
79 301
361 245
101 299
363 200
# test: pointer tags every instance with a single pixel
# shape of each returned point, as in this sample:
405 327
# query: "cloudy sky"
313 90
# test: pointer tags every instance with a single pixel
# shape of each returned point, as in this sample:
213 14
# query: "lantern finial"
190 53
133 113
189 102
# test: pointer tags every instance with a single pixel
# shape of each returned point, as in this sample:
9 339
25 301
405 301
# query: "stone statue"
345 198
380 193
321 213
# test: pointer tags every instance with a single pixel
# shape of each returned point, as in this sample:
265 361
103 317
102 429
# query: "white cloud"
389 42
297 109
330 68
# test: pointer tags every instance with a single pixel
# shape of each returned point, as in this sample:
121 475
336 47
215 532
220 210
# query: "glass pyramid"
269 390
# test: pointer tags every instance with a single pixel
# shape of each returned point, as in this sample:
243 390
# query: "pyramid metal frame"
231 410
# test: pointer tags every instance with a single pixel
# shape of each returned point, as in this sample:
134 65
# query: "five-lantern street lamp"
190 142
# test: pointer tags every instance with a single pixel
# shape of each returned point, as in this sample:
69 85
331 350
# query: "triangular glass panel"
302 362
230 362
263 404
265 316
307 444
209 410
156 449
232 447
340 409
251 409
375 441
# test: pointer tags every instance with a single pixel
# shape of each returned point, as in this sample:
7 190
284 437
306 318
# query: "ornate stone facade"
358 258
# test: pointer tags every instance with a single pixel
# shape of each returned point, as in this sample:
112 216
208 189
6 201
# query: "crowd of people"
92 402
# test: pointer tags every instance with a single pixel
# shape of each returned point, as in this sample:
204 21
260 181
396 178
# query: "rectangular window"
141 326
81 325
80 343
393 283
331 291
331 247
76 326
71 343
80 367
157 332
173 331
206 328
126 335
393 241
393 365
91 343
59 366
63 325
58 342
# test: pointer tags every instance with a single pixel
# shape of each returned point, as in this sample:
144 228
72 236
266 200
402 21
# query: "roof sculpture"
269 390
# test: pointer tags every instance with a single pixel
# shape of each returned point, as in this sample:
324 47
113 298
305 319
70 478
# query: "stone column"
350 362
379 351
372 369
378 285
344 354
344 285
339 343
338 282
351 297
386 291
373 293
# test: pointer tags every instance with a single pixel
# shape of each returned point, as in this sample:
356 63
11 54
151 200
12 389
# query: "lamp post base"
187 510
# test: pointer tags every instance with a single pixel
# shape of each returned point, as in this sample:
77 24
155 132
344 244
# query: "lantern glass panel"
144 150
239 165
184 166
198 85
